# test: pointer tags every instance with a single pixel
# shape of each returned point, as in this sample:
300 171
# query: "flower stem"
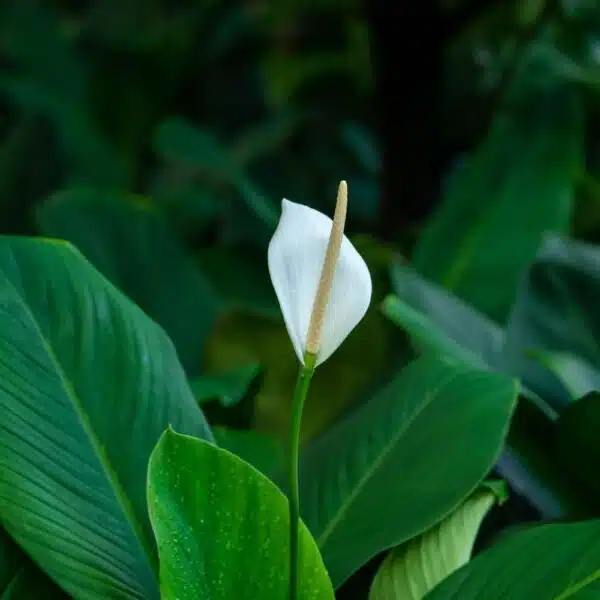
302 385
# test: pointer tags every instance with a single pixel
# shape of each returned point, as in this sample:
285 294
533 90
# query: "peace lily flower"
322 283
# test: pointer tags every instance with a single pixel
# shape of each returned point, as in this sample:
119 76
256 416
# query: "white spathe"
296 255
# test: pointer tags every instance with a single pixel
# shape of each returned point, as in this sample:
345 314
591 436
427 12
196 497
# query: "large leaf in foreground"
415 568
87 385
128 242
403 460
546 562
222 528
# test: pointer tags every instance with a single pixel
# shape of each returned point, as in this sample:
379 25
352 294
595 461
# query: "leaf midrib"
110 473
369 472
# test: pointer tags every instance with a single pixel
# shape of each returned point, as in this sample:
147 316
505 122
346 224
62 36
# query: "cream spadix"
322 283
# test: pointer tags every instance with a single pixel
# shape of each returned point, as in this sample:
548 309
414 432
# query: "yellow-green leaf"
410 571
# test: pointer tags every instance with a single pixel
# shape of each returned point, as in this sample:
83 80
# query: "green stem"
302 385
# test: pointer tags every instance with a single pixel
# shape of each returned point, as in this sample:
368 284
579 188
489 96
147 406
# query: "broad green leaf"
553 562
412 570
556 312
264 452
517 185
127 241
87 385
229 388
403 460
222 527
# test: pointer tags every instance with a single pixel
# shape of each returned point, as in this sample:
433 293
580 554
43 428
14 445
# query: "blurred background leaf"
519 183
576 441
263 452
555 312
123 236
228 388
